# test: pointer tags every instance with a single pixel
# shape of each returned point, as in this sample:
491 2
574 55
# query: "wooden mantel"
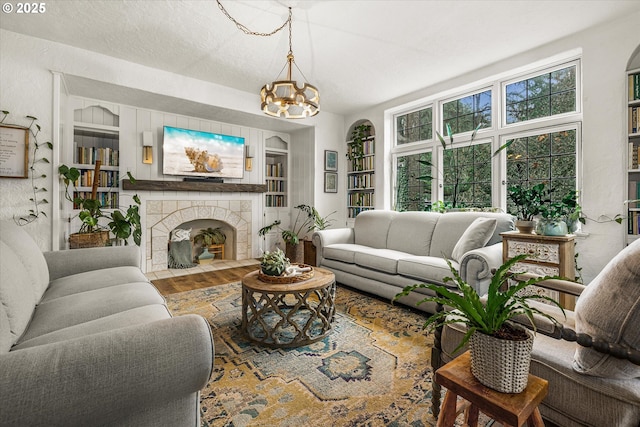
219 187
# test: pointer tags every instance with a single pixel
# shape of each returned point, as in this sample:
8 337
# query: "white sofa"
86 340
387 250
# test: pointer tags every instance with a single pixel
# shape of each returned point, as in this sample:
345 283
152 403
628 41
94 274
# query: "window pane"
413 182
467 176
548 158
541 96
464 114
414 126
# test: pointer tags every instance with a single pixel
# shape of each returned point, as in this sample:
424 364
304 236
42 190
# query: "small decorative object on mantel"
494 366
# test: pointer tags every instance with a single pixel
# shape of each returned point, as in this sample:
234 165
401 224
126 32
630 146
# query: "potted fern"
492 337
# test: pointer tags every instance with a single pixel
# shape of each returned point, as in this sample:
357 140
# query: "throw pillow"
179 234
475 236
609 309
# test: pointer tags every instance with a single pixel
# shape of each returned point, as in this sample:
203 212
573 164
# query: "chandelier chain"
246 30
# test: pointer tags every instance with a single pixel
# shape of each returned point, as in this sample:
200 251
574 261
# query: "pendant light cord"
246 30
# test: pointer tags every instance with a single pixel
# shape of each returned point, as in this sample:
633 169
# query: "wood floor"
189 282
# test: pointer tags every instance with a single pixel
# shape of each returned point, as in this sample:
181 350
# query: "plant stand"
509 409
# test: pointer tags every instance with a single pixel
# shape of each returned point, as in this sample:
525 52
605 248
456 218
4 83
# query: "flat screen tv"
201 154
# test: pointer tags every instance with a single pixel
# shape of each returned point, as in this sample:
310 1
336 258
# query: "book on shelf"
634 86
633 119
634 154
633 222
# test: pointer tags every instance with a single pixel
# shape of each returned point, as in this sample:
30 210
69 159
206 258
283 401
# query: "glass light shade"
285 99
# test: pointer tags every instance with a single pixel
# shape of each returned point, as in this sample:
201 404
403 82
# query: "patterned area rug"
372 370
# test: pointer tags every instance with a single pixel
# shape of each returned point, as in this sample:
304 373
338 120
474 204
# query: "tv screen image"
203 154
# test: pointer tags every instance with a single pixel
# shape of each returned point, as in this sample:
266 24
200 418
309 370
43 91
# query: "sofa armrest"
322 238
74 261
476 266
104 378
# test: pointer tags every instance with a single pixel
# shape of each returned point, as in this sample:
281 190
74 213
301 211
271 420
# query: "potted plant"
210 236
487 320
307 220
355 148
274 263
527 202
91 232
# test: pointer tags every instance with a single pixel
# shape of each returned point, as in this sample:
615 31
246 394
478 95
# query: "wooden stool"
217 249
509 409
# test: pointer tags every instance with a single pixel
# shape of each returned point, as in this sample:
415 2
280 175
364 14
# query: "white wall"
606 51
27 85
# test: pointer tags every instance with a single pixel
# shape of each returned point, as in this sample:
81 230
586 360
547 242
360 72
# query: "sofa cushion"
92 280
411 232
452 224
28 256
617 285
83 307
344 252
16 293
475 236
428 269
379 259
135 316
372 228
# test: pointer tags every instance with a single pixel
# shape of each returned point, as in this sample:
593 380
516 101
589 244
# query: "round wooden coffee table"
288 315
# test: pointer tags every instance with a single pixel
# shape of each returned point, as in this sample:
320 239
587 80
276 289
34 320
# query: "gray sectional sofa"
86 340
387 250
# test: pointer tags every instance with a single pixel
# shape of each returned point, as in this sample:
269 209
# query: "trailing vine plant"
37 192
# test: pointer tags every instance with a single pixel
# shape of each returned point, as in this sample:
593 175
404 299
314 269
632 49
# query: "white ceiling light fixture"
284 98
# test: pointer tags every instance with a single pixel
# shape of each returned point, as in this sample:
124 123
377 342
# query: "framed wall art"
330 182
14 152
330 160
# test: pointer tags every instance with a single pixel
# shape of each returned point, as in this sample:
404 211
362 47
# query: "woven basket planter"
502 365
88 240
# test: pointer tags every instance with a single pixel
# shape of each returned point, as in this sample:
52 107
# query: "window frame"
497 134
536 73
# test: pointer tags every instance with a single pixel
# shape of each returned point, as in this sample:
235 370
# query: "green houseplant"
527 203
91 233
210 236
488 316
274 263
307 220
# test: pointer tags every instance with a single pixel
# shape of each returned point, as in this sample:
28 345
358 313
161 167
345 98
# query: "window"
543 147
465 114
413 182
415 126
467 176
544 157
544 95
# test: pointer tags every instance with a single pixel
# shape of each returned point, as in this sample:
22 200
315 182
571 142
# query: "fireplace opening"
197 247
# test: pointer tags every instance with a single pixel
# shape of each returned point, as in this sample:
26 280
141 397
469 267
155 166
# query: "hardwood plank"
190 282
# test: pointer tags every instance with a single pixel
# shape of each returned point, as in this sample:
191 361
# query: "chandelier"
285 98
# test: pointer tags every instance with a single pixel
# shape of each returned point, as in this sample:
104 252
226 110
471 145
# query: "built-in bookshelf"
276 179
361 176
633 156
96 136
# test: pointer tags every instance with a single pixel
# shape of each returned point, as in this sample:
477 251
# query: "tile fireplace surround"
162 216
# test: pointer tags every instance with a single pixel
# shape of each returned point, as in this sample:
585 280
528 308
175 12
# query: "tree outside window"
413 181
467 176
546 157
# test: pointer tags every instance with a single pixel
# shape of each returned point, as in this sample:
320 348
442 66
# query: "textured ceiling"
358 53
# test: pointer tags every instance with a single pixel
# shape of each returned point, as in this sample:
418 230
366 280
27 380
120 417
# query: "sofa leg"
436 363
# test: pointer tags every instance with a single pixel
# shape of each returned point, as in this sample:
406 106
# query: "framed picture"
14 152
330 182
330 160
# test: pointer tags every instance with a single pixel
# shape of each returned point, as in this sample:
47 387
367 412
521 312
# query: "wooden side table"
217 250
548 256
509 409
